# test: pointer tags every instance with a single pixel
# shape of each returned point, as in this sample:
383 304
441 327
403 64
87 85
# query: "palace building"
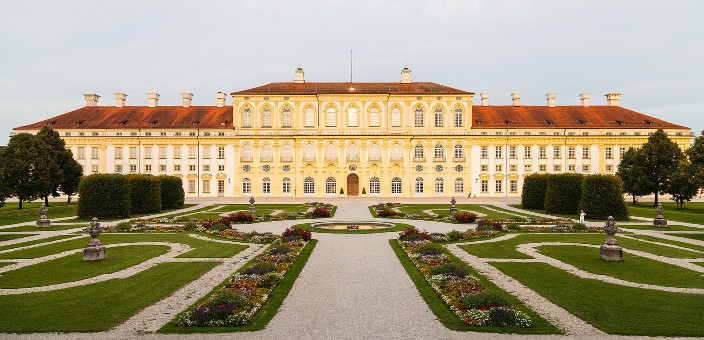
405 139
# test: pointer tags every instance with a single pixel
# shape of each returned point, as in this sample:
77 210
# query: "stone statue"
581 216
660 221
95 250
453 208
252 209
610 250
43 222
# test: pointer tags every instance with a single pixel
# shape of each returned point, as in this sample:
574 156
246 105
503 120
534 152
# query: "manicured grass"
33 228
202 248
694 213
95 307
612 308
398 227
443 210
533 211
669 228
289 208
6 237
506 249
132 216
29 243
265 314
30 211
699 237
633 268
677 243
73 268
449 319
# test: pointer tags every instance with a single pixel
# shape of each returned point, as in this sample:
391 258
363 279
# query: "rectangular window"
118 168
147 152
221 167
287 187
162 152
206 168
221 152
419 118
609 168
177 152
527 167
331 118
485 152
459 186
585 168
512 152
192 186
118 153
439 117
246 186
177 168
498 152
542 168
395 187
621 151
556 152
557 168
162 168
206 186
542 153
499 185
81 154
439 187
191 168
133 152
585 153
206 152
484 167
570 152
570 168
419 187
266 187
395 118
513 167
526 152
485 185
94 153
192 152
608 153
513 185
94 168
147 168
133 169
499 167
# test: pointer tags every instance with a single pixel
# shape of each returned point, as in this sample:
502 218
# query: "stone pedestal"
453 208
94 253
43 222
252 209
610 250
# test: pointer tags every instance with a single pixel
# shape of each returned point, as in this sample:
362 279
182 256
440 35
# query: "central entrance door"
352 185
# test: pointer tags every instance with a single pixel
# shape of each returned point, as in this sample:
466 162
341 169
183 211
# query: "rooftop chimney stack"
485 98
406 75
516 97
152 99
120 99
300 76
551 99
612 99
91 99
187 97
585 98
220 98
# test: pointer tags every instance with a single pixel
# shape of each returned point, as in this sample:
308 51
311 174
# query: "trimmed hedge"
104 196
145 194
172 194
563 193
533 194
602 197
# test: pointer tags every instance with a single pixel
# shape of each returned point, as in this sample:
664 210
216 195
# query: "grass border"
260 319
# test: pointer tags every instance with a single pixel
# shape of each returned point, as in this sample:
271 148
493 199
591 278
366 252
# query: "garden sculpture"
43 222
252 209
581 216
610 250
94 251
660 221
453 208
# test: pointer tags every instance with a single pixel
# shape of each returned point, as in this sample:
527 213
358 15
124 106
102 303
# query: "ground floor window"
206 186
499 185
309 185
374 185
419 185
439 186
191 186
459 185
266 186
286 185
513 185
246 186
396 185
485 185
330 186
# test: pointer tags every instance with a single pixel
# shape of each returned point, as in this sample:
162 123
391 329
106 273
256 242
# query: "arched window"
374 185
459 152
352 117
266 118
419 117
267 153
247 117
419 185
247 153
308 185
286 117
439 186
459 185
352 152
286 185
309 152
459 120
396 152
331 152
439 152
330 186
395 117
246 186
418 152
374 117
310 117
439 118
331 119
396 185
266 186
374 151
287 152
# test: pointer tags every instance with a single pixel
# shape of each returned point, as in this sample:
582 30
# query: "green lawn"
76 220
677 243
443 210
53 227
30 211
7 237
95 307
612 308
669 228
694 213
633 268
28 243
698 236
507 248
73 268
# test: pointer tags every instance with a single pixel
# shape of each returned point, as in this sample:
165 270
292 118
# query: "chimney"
516 97
406 75
120 99
551 99
220 98
585 97
152 99
91 99
485 98
612 99
300 76
186 97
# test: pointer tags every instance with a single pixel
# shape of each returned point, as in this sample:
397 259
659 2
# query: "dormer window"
583 122
620 122
79 122
508 122
649 122
152 123
51 123
122 123
196 123
550 122
479 122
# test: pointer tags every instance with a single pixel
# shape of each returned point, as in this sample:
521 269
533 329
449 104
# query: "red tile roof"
133 117
416 88
577 117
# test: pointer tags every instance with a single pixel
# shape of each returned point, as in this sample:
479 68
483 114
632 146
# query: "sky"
52 52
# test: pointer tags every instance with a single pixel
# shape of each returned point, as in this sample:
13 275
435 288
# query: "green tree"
73 172
3 188
696 159
632 174
58 151
683 184
602 196
661 157
28 166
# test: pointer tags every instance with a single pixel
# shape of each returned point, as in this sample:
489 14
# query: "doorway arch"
352 185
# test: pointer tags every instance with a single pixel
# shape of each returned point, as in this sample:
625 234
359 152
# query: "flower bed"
465 295
387 210
248 289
